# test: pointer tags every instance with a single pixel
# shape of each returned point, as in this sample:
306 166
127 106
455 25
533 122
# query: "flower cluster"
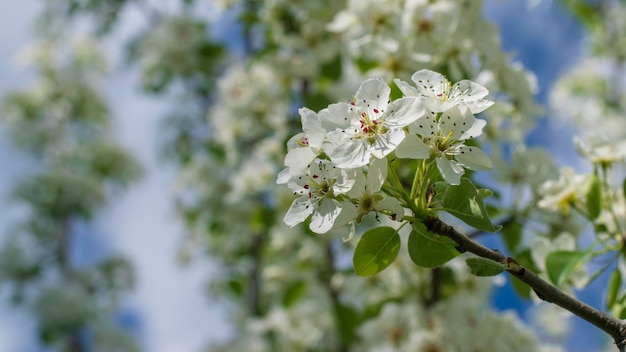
338 164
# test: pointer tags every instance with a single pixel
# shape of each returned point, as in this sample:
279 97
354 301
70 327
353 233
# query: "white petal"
450 170
454 121
293 142
387 143
312 126
473 158
393 205
350 154
406 89
425 126
348 213
403 111
324 216
430 83
373 89
434 87
342 21
345 181
413 148
470 94
299 159
359 187
283 176
376 175
300 209
474 131
337 116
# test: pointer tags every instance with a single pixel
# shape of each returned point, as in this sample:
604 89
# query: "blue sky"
169 310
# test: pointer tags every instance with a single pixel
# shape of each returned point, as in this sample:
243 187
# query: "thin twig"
547 292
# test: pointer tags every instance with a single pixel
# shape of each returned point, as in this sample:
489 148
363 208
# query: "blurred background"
104 114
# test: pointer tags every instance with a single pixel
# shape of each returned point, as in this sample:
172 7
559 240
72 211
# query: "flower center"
303 142
320 185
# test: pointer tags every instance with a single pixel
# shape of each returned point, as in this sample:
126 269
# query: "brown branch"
254 275
435 287
325 276
547 292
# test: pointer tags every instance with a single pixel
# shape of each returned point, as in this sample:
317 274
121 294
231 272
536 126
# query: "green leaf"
615 282
429 250
376 250
365 65
348 320
465 202
332 69
294 293
236 286
622 313
485 193
594 197
560 264
316 101
484 267
624 188
512 235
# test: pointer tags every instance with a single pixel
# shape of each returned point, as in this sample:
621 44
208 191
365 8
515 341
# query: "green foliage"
512 235
594 197
624 188
111 163
560 264
62 194
332 69
429 250
348 320
62 310
615 284
109 278
294 292
65 124
317 101
484 267
465 202
166 59
16 263
376 250
104 12
586 11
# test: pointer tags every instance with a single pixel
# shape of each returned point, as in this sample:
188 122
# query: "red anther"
376 111
306 186
315 176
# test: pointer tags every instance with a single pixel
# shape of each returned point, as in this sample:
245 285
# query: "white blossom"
366 191
559 195
318 190
372 125
443 138
439 95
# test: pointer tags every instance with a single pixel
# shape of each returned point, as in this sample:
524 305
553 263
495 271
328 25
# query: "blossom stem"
547 292
607 190
419 176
